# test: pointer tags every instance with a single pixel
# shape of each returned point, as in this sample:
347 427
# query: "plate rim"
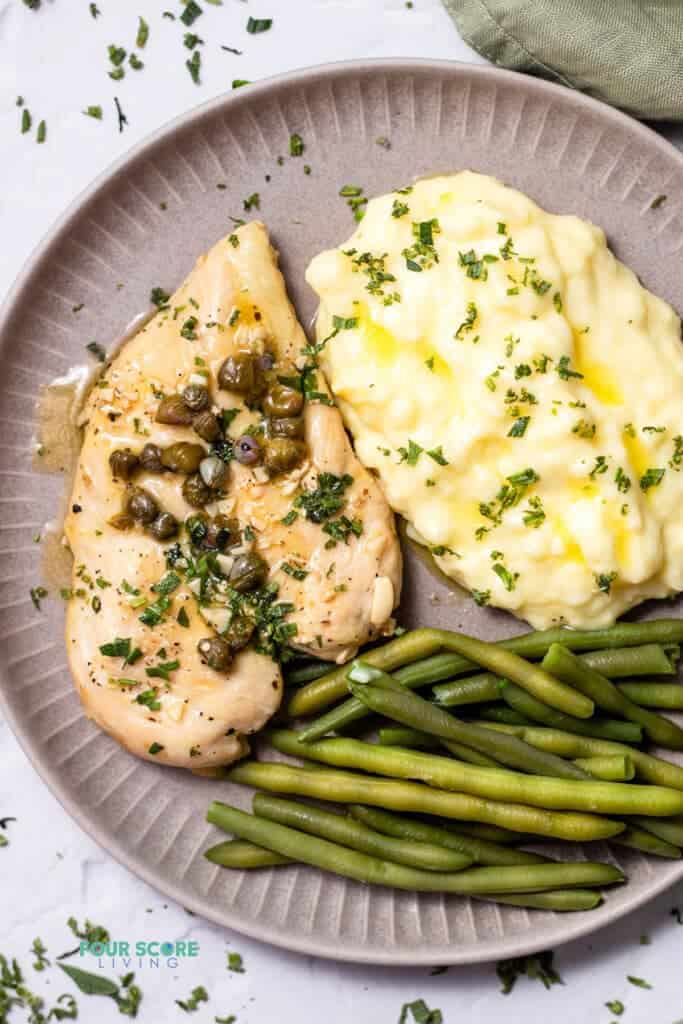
578 925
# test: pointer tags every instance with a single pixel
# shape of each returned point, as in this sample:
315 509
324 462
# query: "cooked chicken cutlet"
219 519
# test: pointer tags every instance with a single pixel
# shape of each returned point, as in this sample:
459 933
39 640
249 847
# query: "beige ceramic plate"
570 154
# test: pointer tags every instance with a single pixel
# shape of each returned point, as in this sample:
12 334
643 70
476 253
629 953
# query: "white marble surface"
56 58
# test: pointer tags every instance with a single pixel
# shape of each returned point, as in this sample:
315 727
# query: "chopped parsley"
198 995
169 582
622 481
183 618
518 428
37 595
584 429
374 267
651 478
194 66
296 145
121 647
481 597
95 112
638 982
189 328
159 297
143 34
163 669
97 351
469 321
507 578
342 529
565 371
534 514
418 1010
616 1007
599 468
191 13
537 967
326 499
557 302
604 581
677 457
155 748
474 266
411 454
294 571
257 25
422 254
438 456
148 698
154 613
399 209
657 202
235 963
252 202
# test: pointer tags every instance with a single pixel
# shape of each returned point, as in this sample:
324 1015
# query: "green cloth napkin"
626 52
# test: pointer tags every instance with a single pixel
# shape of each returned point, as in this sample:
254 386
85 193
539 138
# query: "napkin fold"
626 52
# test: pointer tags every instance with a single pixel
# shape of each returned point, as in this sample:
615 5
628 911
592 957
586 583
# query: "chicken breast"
151 582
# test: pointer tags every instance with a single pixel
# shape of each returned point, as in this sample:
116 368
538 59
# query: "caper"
221 531
207 426
150 459
282 454
215 652
239 373
287 426
195 491
196 397
266 361
214 472
248 572
141 505
183 457
123 463
121 521
247 450
282 400
197 526
164 526
239 632
173 410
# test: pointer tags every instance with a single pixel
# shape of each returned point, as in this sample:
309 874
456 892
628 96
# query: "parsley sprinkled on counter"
638 982
95 112
418 1010
257 25
143 34
26 121
37 594
616 1007
237 83
96 350
355 200
159 297
191 13
537 967
194 65
481 597
41 133
235 963
252 202
651 478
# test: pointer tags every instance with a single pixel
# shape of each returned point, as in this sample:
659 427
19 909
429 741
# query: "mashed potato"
519 393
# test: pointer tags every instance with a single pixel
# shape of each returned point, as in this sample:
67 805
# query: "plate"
142 224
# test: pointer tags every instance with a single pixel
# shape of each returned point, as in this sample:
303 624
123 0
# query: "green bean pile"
546 744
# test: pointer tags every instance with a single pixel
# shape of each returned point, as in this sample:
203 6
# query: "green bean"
508 716
488 783
640 839
494 833
670 829
605 694
482 850
527 706
654 695
412 710
469 755
652 769
239 854
561 901
307 672
356 835
347 787
609 768
400 736
420 643
650 659
330 856
647 660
